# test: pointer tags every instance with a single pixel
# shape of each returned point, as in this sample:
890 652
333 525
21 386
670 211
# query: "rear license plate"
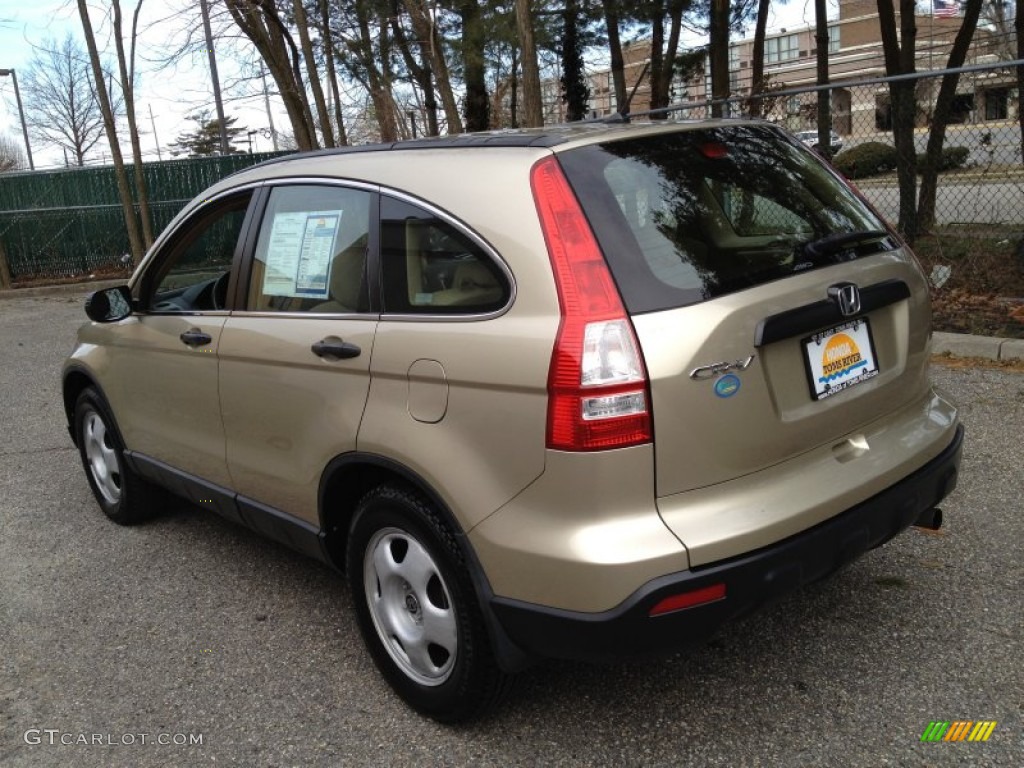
839 358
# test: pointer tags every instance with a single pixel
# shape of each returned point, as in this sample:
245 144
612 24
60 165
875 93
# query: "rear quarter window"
431 267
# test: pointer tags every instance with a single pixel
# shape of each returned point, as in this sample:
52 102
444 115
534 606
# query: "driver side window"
194 277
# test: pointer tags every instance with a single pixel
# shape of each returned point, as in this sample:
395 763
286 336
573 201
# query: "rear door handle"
335 348
195 337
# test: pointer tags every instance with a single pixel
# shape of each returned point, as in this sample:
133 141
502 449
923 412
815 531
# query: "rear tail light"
597 385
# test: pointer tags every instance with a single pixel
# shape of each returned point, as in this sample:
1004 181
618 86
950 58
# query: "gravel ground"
191 627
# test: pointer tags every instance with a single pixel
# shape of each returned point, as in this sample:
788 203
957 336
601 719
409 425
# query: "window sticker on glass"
299 254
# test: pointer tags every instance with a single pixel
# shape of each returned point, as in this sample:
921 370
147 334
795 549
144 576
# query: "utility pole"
266 102
213 74
21 112
159 155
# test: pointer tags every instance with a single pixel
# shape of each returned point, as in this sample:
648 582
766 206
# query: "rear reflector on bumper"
689 599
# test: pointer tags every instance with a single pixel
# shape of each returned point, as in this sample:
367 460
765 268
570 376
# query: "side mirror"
109 305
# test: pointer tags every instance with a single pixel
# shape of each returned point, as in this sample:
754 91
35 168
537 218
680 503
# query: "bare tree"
123 190
61 107
418 70
12 157
1000 22
665 50
429 39
260 21
612 20
899 44
312 73
126 67
332 76
940 117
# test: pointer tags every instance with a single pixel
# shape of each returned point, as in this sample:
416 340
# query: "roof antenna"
622 116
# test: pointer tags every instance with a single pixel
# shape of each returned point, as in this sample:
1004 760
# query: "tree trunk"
657 61
123 188
474 37
824 97
675 22
420 72
302 24
5 270
719 47
376 81
940 118
899 59
532 108
756 105
611 20
332 74
430 42
128 92
260 23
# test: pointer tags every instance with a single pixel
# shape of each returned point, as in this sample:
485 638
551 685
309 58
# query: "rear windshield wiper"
830 245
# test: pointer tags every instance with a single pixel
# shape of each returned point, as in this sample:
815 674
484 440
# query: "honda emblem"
847 298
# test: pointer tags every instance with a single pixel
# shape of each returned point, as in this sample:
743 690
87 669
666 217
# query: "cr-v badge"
716 369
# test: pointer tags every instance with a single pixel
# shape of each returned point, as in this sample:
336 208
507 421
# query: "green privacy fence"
69 222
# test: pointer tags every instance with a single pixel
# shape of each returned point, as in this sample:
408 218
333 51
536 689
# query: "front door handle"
335 348
195 337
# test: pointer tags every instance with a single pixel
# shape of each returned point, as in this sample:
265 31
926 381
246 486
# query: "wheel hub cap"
411 606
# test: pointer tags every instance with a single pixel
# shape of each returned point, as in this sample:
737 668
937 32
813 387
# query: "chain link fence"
64 223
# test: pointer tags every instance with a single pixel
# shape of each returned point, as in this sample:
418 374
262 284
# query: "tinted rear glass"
685 217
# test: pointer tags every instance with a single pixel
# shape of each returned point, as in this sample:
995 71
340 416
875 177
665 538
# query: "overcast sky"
174 92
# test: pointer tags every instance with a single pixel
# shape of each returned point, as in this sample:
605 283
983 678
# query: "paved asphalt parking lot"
191 627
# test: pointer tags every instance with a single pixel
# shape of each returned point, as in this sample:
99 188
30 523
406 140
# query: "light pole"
21 112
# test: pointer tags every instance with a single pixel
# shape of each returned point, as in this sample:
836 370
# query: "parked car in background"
580 392
810 138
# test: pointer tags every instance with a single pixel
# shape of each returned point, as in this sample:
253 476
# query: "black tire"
123 496
448 672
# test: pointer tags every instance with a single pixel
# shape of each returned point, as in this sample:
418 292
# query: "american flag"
944 9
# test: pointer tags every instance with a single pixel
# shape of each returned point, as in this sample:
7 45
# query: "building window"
995 103
833 38
784 48
883 112
734 68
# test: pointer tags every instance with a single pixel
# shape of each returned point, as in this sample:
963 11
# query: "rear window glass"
688 216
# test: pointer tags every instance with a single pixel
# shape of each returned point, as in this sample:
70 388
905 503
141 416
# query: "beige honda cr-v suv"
581 392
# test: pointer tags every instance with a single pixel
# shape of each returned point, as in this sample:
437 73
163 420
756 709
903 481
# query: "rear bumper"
750 580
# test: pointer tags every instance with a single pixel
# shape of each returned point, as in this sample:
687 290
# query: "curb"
987 347
56 290
954 344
